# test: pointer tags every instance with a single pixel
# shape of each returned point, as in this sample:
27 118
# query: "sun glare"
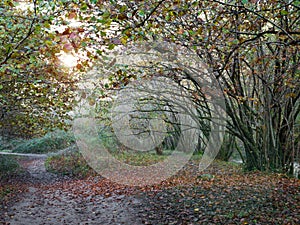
24 6
68 60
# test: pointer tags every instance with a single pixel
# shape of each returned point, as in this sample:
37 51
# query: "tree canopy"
251 48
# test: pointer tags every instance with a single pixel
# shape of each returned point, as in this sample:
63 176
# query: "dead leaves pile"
220 195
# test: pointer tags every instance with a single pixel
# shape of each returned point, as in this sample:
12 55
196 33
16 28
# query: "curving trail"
48 200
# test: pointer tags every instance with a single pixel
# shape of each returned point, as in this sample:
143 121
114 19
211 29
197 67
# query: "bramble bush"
8 166
51 142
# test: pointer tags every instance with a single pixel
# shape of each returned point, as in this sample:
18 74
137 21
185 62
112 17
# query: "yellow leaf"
124 40
47 24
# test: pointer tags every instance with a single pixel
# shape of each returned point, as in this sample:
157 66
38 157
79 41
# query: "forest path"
48 200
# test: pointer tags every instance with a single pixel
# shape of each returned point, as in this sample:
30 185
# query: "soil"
39 204
221 195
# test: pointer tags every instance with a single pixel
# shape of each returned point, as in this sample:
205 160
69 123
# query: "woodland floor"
227 196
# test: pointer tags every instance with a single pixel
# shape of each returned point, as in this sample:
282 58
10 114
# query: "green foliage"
51 142
8 144
252 49
71 164
109 140
8 166
206 176
36 92
139 158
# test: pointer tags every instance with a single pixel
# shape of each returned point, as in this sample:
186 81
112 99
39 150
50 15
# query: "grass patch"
139 158
9 169
8 144
71 164
51 142
5 150
74 164
8 166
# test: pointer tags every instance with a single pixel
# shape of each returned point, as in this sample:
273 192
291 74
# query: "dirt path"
230 197
42 204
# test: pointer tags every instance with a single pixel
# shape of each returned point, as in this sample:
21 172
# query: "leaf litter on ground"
222 194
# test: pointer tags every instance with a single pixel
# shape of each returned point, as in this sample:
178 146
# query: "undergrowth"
8 166
74 164
71 164
139 159
51 142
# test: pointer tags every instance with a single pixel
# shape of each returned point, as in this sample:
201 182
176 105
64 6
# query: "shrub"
70 163
8 166
10 143
51 142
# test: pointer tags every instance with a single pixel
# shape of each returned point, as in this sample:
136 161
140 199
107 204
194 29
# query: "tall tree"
36 85
252 49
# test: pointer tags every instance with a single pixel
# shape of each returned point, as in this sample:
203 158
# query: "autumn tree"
37 87
251 48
